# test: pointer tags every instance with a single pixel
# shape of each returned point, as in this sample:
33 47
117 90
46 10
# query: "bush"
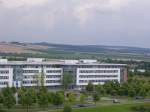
67 108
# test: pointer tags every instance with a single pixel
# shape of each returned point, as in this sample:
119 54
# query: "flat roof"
56 63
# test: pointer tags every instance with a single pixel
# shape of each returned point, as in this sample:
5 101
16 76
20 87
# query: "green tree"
8 97
90 87
82 98
100 89
67 108
96 97
67 80
40 77
43 99
57 99
71 97
26 99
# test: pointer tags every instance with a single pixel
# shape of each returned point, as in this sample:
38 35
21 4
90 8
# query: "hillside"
49 50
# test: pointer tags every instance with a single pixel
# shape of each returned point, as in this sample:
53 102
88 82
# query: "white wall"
98 78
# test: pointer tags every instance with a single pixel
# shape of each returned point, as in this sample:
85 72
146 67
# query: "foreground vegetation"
39 98
128 107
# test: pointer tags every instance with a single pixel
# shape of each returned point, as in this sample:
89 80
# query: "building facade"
27 73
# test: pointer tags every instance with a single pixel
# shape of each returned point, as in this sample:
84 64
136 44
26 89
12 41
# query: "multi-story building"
27 73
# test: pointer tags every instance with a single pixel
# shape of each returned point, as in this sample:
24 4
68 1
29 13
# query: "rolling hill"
50 50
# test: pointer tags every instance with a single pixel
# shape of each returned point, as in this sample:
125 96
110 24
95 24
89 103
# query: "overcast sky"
100 22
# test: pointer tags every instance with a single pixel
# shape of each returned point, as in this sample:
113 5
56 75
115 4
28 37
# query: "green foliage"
40 79
67 80
8 97
71 97
67 108
26 98
141 108
100 89
57 99
1 98
43 99
90 87
82 98
96 97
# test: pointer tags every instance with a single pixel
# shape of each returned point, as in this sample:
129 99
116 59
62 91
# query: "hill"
49 50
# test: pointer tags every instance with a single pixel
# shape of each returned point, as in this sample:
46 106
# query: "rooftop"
39 61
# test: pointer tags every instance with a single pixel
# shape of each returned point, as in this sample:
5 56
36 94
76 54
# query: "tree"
43 99
26 99
33 94
108 87
57 99
100 89
8 97
82 98
50 96
90 87
67 80
67 108
96 97
40 77
1 98
71 97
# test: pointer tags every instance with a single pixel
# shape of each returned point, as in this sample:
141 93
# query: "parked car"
116 101
139 97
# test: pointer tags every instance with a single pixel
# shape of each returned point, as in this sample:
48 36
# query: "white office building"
27 73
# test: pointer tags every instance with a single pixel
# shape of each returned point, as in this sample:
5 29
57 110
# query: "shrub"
67 108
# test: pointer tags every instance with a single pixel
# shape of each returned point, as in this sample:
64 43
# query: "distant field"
59 51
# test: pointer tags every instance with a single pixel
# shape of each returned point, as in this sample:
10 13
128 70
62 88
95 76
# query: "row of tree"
30 96
133 87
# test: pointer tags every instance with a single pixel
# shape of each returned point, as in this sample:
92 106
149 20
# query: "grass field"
112 108
101 107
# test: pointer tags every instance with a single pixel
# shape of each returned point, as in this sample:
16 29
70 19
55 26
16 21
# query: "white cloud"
84 10
20 3
81 10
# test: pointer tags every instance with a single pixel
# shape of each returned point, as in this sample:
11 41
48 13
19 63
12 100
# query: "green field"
112 108
101 107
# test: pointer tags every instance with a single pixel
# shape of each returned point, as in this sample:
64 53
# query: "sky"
81 22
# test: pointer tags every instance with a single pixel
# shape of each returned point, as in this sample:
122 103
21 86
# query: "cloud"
84 11
76 21
80 10
21 3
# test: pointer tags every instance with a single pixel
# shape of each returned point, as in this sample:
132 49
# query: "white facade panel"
53 76
6 77
96 75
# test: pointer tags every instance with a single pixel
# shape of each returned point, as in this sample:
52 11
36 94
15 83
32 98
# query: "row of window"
97 76
99 66
93 81
30 71
53 71
53 81
4 83
4 71
30 76
53 76
30 82
98 71
4 77
47 81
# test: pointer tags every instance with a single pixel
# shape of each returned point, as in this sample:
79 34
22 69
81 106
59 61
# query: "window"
98 71
53 76
4 72
53 81
53 71
30 71
4 77
3 83
97 76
